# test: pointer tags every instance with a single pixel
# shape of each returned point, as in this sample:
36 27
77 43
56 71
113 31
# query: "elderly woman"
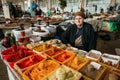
80 35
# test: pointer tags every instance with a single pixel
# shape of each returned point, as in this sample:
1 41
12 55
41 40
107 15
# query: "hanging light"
25 2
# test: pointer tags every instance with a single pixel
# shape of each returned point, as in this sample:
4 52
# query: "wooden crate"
41 70
53 51
86 78
64 57
62 73
105 75
93 75
77 62
42 47
20 67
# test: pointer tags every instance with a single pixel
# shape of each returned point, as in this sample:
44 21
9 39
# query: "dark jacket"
38 12
88 36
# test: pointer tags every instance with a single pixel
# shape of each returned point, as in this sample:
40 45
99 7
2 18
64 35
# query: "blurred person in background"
12 10
86 14
38 12
102 11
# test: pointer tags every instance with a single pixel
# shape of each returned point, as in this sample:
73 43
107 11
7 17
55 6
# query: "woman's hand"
69 45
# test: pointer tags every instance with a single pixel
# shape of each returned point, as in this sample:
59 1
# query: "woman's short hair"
79 13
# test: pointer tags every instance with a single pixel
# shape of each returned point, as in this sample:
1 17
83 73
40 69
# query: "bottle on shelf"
12 39
6 40
32 24
21 26
47 23
39 22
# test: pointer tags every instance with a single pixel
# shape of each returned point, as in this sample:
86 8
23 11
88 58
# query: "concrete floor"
108 46
3 71
103 46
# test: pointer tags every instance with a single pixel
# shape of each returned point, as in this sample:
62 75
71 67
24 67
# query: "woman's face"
38 8
79 20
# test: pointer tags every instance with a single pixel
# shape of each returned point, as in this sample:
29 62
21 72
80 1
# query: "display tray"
23 40
111 75
77 62
93 72
11 56
94 55
78 52
53 51
54 41
32 45
27 62
72 49
41 70
57 43
82 53
64 56
85 78
110 60
64 73
111 67
21 50
42 47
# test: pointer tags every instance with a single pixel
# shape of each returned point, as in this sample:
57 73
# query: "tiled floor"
3 71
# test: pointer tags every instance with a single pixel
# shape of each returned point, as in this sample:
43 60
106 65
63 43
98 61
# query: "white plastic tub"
94 55
109 57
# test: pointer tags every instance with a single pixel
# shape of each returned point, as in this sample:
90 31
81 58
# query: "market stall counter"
51 61
18 71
